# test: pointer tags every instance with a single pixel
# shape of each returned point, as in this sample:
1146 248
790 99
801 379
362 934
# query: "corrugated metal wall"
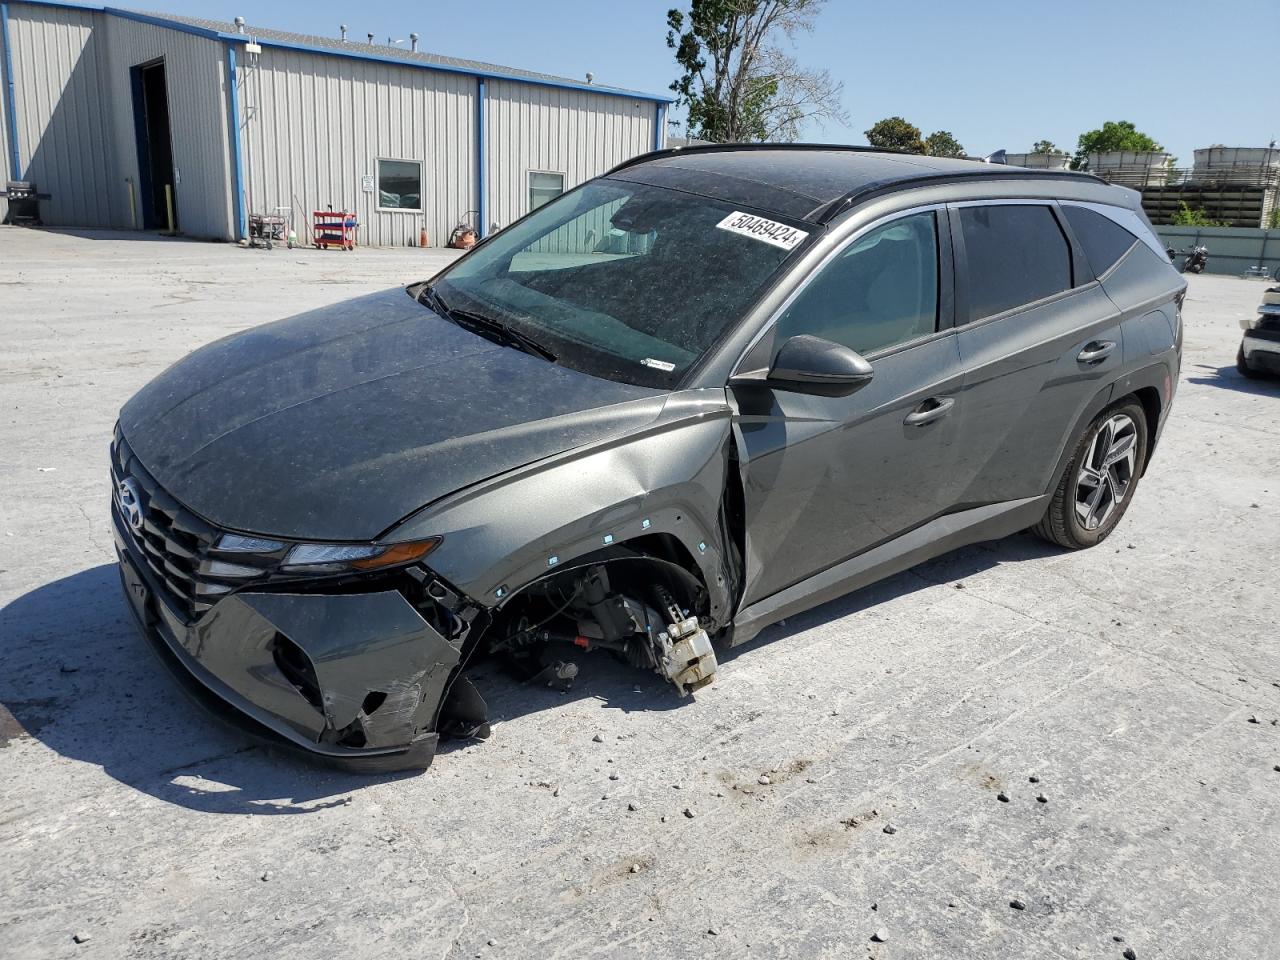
317 124
196 82
74 104
313 127
59 73
576 133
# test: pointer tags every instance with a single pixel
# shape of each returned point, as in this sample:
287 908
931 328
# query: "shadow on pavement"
75 675
152 236
1229 378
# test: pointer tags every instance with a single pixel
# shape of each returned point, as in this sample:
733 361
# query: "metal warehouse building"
104 108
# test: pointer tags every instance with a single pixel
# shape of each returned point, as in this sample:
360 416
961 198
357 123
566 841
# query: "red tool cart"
334 228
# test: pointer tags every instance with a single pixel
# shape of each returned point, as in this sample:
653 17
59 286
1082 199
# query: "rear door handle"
935 408
1096 351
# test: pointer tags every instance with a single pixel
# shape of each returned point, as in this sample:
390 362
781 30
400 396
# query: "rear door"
828 477
1038 338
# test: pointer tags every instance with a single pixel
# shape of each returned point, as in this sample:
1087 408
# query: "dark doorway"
155 149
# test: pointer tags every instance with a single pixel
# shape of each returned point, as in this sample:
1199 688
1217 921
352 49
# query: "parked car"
701 393
1259 353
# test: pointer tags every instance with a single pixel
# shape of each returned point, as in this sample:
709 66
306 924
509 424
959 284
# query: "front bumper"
1262 349
351 679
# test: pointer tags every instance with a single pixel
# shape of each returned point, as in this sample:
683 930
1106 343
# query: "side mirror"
807 364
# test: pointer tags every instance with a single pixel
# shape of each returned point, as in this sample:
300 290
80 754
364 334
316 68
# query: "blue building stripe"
482 161
10 105
237 154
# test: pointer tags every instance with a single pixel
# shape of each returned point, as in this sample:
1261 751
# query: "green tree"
1045 146
894 133
1112 135
941 143
736 83
1184 216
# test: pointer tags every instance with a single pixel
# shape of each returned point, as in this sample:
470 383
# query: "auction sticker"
758 228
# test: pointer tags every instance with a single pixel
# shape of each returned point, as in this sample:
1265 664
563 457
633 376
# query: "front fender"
505 533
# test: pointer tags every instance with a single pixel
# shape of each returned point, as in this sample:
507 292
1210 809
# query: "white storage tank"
1254 165
1039 161
1131 168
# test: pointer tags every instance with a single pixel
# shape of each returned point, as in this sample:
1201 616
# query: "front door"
828 477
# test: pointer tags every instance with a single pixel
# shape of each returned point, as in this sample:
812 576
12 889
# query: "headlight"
262 556
234 543
335 557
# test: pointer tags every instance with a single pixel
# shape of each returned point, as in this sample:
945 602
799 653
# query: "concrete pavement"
1138 682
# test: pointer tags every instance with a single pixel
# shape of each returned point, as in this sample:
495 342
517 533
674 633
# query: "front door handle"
1096 351
935 408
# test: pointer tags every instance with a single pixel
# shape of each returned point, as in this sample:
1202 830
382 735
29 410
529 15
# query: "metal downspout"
237 155
10 105
482 200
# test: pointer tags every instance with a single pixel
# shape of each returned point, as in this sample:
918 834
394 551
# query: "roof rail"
829 211
735 147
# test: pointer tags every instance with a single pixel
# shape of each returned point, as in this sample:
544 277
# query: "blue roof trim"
353 54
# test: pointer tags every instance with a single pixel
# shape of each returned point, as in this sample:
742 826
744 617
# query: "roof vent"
591 77
370 39
239 24
343 30
413 42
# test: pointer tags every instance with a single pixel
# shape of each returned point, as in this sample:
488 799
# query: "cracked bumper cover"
357 644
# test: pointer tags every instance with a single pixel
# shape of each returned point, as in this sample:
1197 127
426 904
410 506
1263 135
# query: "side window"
880 291
544 187
1017 254
1104 240
399 185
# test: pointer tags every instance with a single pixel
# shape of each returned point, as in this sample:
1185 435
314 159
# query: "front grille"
175 542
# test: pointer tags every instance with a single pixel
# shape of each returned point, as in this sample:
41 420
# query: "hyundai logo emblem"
130 503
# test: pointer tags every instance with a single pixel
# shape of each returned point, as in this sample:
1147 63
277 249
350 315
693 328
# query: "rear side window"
1104 240
1017 254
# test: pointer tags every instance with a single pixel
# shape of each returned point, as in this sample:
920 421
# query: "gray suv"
705 391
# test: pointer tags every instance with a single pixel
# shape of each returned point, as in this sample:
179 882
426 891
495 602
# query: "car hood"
337 423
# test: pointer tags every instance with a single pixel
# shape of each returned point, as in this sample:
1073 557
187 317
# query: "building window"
400 185
544 187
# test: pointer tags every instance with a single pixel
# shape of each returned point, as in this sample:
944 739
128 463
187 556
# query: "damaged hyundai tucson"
705 391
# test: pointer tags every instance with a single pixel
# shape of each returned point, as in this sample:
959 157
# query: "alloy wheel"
1107 471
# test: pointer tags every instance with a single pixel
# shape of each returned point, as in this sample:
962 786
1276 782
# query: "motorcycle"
1196 260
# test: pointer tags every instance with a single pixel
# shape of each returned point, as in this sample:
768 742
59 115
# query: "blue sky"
995 73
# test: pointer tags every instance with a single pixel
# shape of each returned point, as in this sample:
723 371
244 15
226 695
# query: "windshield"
623 280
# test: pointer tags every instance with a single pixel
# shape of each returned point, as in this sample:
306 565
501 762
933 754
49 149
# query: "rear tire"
1242 365
1101 479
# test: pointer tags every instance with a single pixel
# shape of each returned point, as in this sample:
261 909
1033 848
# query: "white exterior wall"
316 124
312 126
75 117
547 129
195 73
59 71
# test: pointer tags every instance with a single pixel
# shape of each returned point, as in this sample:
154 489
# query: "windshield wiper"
488 327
